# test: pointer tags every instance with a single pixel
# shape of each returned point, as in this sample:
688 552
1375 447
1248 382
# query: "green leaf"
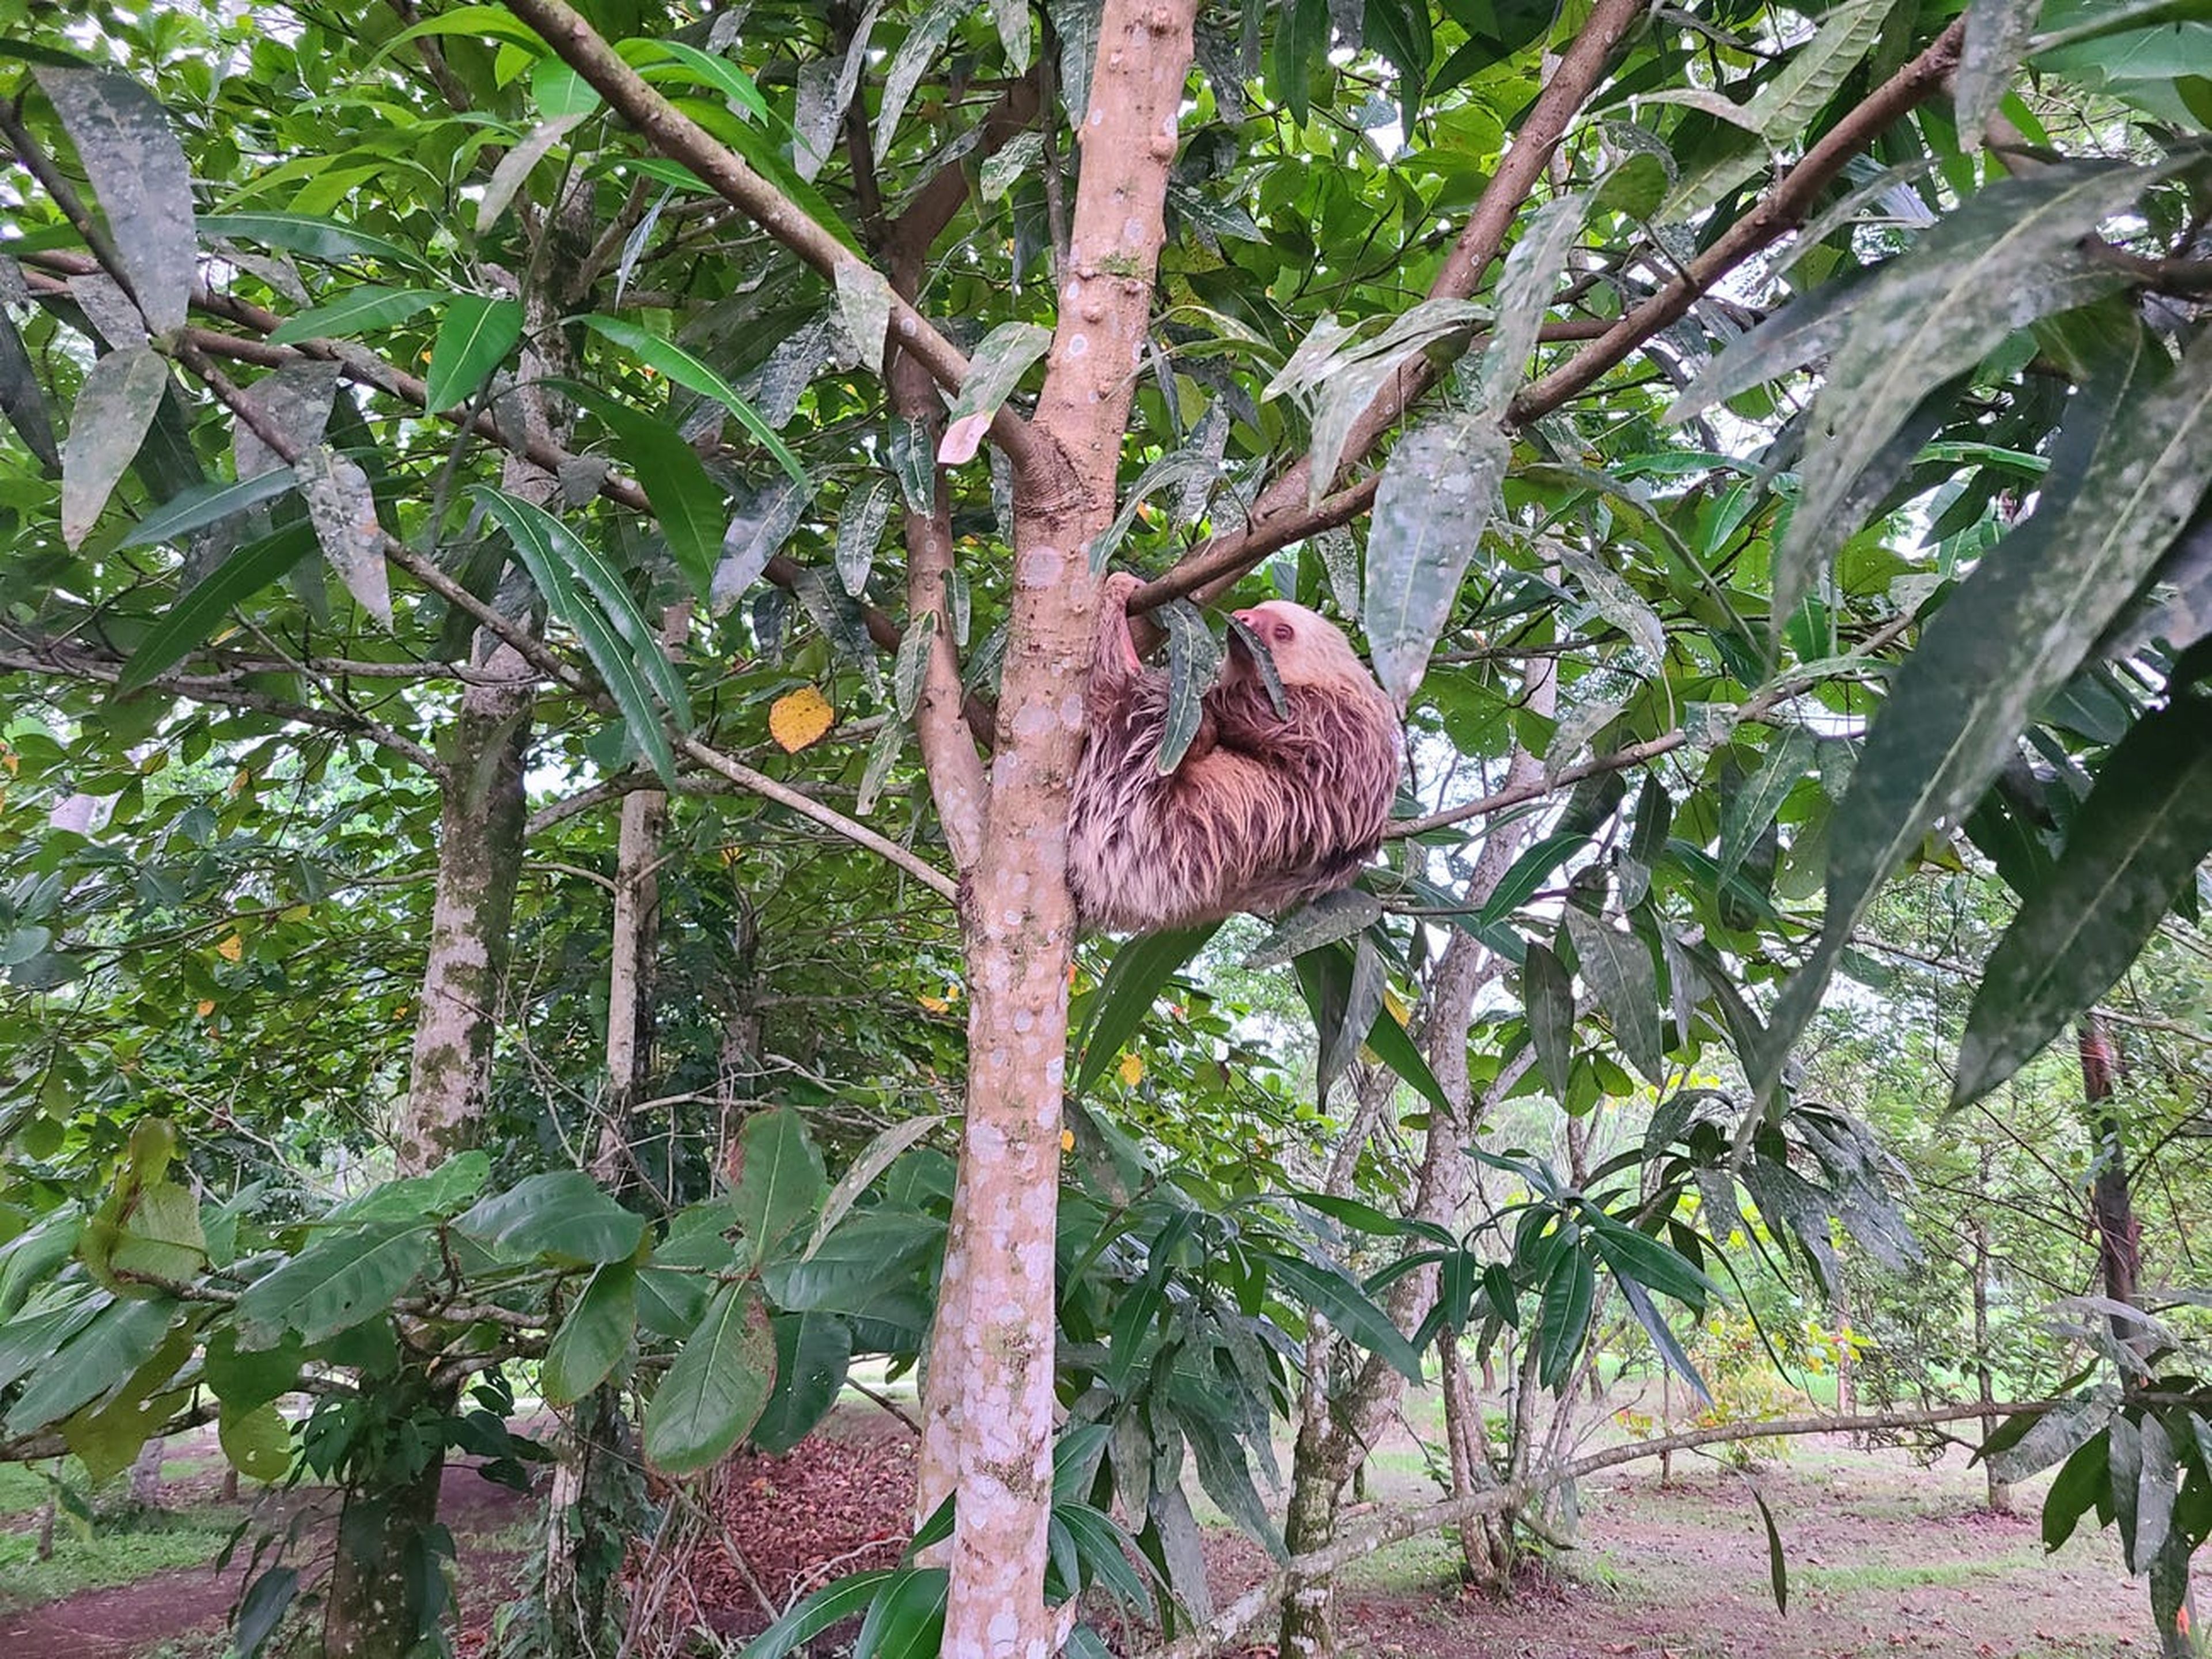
714 1391
907 1619
593 1337
1140 968
1569 1292
1525 286
1618 969
1331 917
262 1608
24 401
474 336
686 501
1547 992
1998 34
1332 1291
359 311
256 1442
859 527
200 610
832 1604
336 1282
114 410
812 1352
2010 255
1528 872
1194 660
607 623
563 1215
875 1157
1438 491
719 73
688 372
911 669
2015 630
247 1379
117 1340
2132 851
301 232
1747 813
210 503
144 183
780 1182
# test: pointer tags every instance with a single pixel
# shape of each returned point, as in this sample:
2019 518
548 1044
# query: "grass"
115 1554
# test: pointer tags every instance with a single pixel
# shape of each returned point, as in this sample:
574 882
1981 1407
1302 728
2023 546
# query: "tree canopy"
549 558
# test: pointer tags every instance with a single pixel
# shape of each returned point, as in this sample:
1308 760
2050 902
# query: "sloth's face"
1307 649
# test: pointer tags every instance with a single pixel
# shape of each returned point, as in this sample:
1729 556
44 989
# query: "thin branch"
1636 754
1256 1603
1779 212
768 788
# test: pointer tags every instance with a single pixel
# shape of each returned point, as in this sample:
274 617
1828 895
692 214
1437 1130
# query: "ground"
1884 1559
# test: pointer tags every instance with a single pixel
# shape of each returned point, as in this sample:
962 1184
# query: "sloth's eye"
1280 632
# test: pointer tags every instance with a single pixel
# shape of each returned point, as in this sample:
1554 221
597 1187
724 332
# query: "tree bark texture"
1019 920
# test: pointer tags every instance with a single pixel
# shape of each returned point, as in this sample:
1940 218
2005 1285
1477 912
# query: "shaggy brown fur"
1264 812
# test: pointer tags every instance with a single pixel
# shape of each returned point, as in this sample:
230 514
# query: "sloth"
1264 812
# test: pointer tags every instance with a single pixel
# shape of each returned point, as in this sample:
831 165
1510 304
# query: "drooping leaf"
1547 993
1618 969
1525 286
812 1352
24 401
144 183
863 310
594 1335
262 1608
585 594
686 501
1194 660
114 409
859 527
1998 34
2133 848
714 1392
832 1604
342 510
1438 492
925 40
2009 255
911 670
2016 629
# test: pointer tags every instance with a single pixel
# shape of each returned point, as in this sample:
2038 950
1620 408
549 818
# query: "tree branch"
678 137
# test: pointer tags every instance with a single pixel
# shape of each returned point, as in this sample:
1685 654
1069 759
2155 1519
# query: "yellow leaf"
1133 1069
206 1008
1067 1140
231 948
935 1004
798 718
1396 1005
294 913
238 782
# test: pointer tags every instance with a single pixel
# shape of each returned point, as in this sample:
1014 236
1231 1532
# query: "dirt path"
114 1623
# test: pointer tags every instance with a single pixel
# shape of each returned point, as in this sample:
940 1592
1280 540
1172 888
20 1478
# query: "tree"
705 302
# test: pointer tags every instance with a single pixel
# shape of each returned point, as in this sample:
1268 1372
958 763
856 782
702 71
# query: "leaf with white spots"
114 410
997 367
1438 493
144 184
863 310
344 513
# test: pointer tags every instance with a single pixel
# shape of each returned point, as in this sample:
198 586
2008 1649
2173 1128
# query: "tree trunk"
989 1419
2000 1491
146 1474
386 1586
